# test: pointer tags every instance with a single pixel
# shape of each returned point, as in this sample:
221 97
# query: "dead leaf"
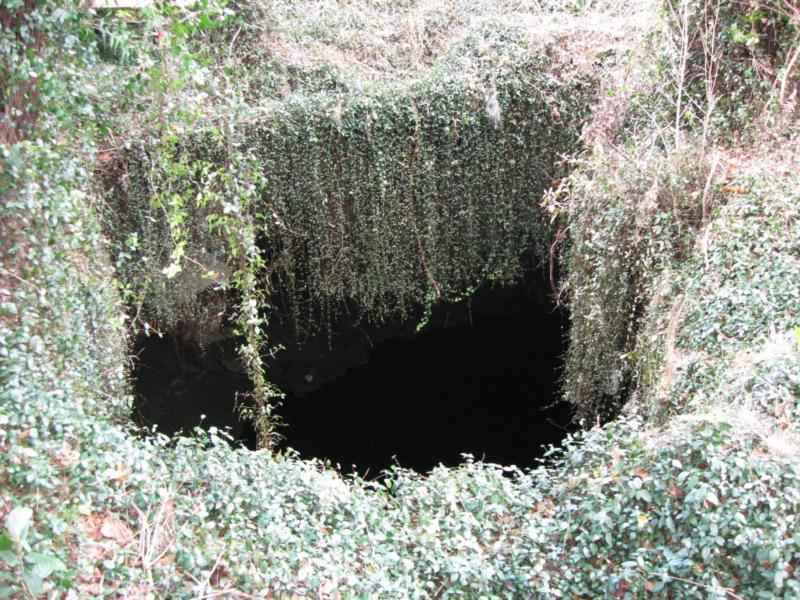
119 474
116 530
674 490
66 457
732 189
92 525
217 575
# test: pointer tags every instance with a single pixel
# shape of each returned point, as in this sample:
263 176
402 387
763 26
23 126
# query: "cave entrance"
480 379
181 384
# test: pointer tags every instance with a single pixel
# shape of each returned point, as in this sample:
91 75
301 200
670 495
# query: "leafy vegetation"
378 198
360 193
682 261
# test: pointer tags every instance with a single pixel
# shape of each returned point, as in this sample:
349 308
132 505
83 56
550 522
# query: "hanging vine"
381 198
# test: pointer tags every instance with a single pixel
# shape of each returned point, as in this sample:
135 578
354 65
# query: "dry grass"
671 355
386 39
776 441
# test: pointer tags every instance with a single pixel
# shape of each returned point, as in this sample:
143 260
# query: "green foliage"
729 60
630 218
181 229
33 37
376 197
741 304
635 206
705 506
29 569
382 199
61 341
680 512
198 269
379 198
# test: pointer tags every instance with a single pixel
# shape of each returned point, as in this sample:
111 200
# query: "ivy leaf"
172 270
17 522
33 582
7 550
44 564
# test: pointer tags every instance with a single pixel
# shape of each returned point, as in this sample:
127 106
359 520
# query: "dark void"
481 378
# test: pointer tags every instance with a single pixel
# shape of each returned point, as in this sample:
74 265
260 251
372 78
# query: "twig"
233 41
706 233
707 188
711 65
553 247
413 210
154 534
21 280
683 23
786 73
207 581
728 591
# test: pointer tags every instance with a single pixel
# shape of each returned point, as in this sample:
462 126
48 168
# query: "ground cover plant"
679 237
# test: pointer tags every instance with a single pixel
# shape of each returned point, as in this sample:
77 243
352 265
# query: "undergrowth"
695 497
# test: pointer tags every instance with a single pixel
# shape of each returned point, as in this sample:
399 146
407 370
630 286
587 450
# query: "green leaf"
172 270
34 583
18 521
44 564
7 550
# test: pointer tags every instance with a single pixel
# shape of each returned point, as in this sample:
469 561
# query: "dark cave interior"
481 378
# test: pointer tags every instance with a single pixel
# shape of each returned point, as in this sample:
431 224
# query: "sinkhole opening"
481 378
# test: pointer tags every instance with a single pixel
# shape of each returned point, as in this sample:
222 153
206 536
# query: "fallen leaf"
91 526
116 530
732 189
119 474
66 457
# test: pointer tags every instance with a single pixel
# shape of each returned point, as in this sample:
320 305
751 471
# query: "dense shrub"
630 218
733 308
661 161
